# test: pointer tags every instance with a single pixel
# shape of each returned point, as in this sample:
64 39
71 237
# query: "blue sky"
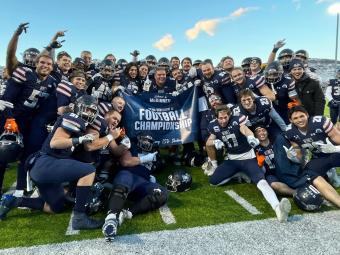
199 29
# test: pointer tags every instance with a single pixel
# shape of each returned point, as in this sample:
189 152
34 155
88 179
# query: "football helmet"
86 108
308 198
151 61
164 62
246 64
95 200
302 54
107 69
179 181
285 56
146 143
273 72
11 146
29 56
121 64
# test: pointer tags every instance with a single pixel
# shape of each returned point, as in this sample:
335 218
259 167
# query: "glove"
55 44
192 72
279 44
126 142
292 154
148 157
253 142
152 179
22 27
4 104
11 126
175 93
327 147
218 144
135 53
197 83
88 138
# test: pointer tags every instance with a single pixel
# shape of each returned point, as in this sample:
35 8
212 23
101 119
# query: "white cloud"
209 25
323 1
164 43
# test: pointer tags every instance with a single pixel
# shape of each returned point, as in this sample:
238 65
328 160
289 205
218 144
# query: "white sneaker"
333 177
282 210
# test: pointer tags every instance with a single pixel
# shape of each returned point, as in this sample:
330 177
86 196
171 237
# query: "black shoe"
82 221
7 203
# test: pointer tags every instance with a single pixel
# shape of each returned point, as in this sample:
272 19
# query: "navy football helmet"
86 108
302 54
285 56
146 143
11 146
29 56
151 61
246 64
308 198
179 181
273 72
107 68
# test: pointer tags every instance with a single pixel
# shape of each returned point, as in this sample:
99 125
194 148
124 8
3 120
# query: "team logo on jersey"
318 131
216 129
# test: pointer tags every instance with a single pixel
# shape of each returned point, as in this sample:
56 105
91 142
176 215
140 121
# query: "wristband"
275 50
109 137
75 141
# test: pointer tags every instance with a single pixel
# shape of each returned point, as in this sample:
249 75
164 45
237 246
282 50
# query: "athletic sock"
268 193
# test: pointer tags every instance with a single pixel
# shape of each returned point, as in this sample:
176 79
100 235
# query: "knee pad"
120 191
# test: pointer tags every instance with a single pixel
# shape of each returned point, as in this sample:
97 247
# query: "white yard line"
11 189
167 215
244 203
316 233
70 231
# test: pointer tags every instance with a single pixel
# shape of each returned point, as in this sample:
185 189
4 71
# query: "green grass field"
202 205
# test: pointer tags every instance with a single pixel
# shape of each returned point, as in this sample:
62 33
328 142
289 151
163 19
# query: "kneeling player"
54 166
231 132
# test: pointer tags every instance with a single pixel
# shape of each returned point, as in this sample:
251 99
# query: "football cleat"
283 209
7 203
82 221
110 227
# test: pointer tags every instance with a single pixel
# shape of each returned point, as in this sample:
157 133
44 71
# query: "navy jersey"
284 90
2 86
215 83
185 83
26 91
268 153
59 75
318 129
168 87
261 116
335 91
71 123
100 87
133 86
207 117
104 107
253 83
235 141
67 93
100 125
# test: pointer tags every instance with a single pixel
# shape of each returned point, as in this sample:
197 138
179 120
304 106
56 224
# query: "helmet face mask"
106 69
29 56
146 143
273 73
285 57
86 108
179 181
